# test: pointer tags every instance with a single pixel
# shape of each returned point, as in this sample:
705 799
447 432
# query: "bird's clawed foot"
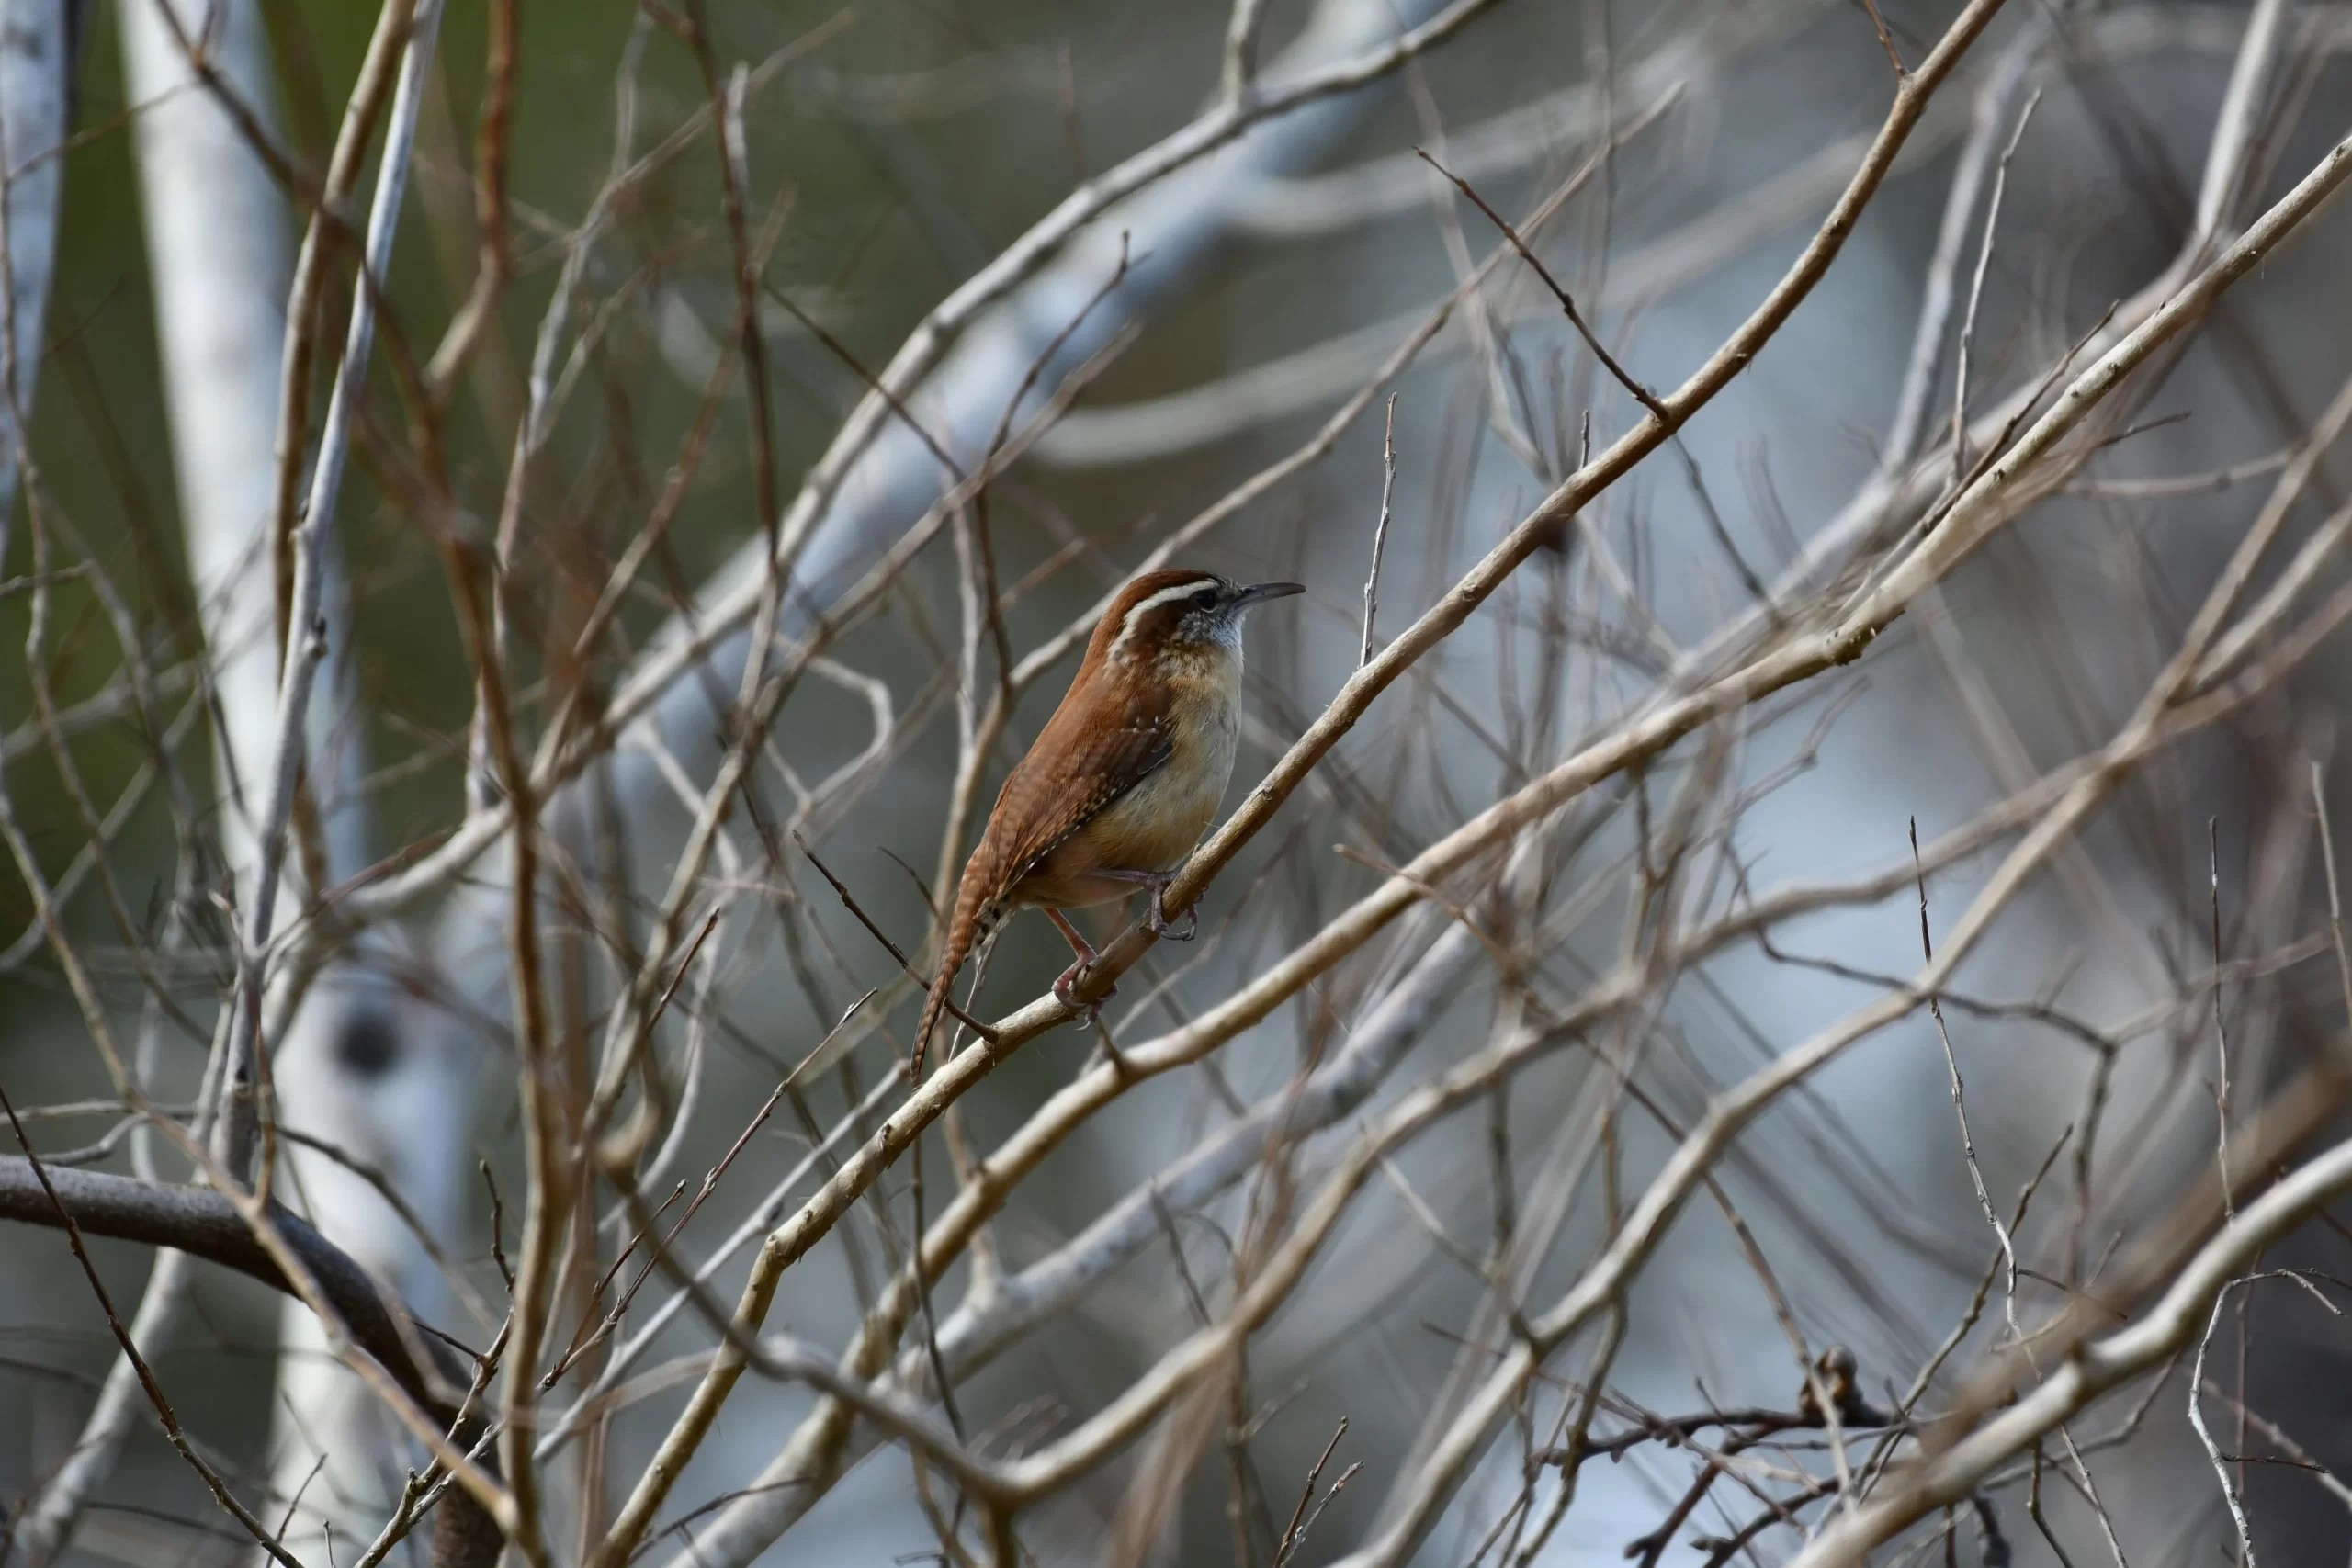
1066 991
1065 987
1154 917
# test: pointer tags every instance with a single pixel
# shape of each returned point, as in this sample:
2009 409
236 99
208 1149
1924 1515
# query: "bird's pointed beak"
1258 592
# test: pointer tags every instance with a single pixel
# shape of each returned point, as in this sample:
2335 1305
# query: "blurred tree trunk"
220 243
37 60
36 87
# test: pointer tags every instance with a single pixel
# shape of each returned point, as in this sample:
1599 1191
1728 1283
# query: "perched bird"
1124 779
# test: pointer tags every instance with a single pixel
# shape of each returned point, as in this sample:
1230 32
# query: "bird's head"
1180 610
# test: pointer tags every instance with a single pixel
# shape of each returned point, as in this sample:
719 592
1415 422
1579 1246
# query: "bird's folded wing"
1041 807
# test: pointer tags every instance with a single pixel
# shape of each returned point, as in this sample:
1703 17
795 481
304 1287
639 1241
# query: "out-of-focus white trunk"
34 87
349 1069
218 247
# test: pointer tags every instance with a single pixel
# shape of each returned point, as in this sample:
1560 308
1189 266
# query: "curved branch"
207 1224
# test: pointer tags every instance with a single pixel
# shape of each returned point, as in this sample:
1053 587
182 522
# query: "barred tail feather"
963 931
936 1002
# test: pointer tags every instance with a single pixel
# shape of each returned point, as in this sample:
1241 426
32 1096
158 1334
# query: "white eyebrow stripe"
1165 596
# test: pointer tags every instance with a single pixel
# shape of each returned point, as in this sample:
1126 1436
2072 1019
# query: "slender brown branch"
1642 395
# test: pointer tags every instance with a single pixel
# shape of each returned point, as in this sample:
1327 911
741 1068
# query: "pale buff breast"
1155 825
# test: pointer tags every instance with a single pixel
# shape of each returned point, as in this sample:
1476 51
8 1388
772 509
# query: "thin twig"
1887 41
2334 893
842 890
2205 1436
1379 530
1306 1494
1976 283
1642 395
2221 1024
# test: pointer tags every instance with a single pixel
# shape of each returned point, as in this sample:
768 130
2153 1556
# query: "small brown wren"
1124 779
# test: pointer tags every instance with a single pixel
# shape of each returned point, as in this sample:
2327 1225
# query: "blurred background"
893 151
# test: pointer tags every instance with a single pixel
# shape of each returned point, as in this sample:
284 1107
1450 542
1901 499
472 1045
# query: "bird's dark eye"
1206 599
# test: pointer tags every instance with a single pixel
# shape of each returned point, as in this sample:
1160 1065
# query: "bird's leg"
1064 987
1155 916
